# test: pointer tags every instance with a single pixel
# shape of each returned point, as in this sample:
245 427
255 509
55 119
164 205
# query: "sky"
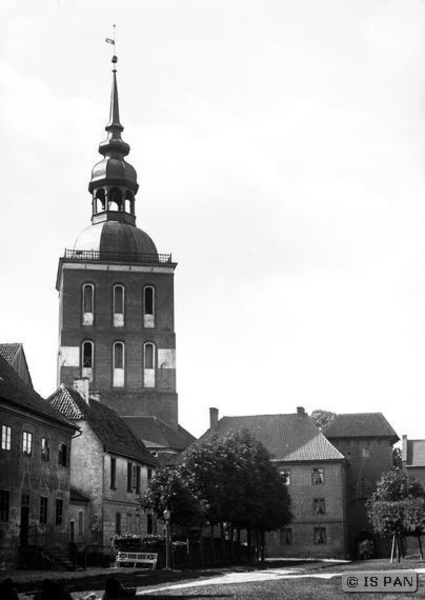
280 150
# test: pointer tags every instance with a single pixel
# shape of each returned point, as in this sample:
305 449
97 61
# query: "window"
317 476
118 301
129 476
43 510
59 512
118 523
149 365
365 452
319 506
118 361
113 473
137 482
286 477
87 352
6 437
149 307
88 303
27 443
45 450
320 535
63 455
4 505
80 522
286 536
150 474
25 499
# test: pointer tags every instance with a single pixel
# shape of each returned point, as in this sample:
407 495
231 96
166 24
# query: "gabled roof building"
34 470
314 471
366 440
110 468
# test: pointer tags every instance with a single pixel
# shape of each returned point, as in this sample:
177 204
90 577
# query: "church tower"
116 295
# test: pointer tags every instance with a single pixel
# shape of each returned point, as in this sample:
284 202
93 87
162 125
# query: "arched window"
149 364
149 307
118 364
118 301
87 359
129 202
114 199
100 195
88 304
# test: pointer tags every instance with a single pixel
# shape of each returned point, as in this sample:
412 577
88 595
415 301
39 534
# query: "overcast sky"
280 148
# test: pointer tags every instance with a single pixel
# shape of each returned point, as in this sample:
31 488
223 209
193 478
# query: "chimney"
300 411
213 419
81 385
404 449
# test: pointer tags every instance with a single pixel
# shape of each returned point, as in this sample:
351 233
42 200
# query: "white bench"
136 559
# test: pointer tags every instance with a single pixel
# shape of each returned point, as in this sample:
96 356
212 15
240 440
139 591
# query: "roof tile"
288 437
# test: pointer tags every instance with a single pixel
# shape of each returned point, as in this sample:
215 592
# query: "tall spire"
114 142
113 182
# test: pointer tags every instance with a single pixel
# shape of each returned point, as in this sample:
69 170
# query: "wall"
302 492
134 398
367 459
87 468
21 474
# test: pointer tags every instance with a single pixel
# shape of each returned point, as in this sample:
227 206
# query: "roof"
288 438
359 425
158 434
15 391
15 356
415 455
9 351
106 424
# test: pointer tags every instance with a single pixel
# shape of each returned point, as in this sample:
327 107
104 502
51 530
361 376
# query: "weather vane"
112 41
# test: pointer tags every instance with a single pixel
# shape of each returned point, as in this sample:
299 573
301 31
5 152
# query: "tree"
167 490
234 477
322 417
397 508
221 480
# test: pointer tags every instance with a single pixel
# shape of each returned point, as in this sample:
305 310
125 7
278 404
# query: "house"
366 441
314 472
110 470
34 469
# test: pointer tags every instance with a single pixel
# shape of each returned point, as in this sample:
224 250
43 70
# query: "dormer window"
149 307
118 302
149 365
118 362
88 304
87 359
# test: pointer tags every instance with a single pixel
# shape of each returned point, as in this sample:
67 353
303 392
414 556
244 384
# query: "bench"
136 559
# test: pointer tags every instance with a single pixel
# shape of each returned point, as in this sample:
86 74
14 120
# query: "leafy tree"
228 480
397 508
322 417
235 479
167 490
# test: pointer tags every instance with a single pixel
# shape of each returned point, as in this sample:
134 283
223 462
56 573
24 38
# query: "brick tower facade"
116 295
